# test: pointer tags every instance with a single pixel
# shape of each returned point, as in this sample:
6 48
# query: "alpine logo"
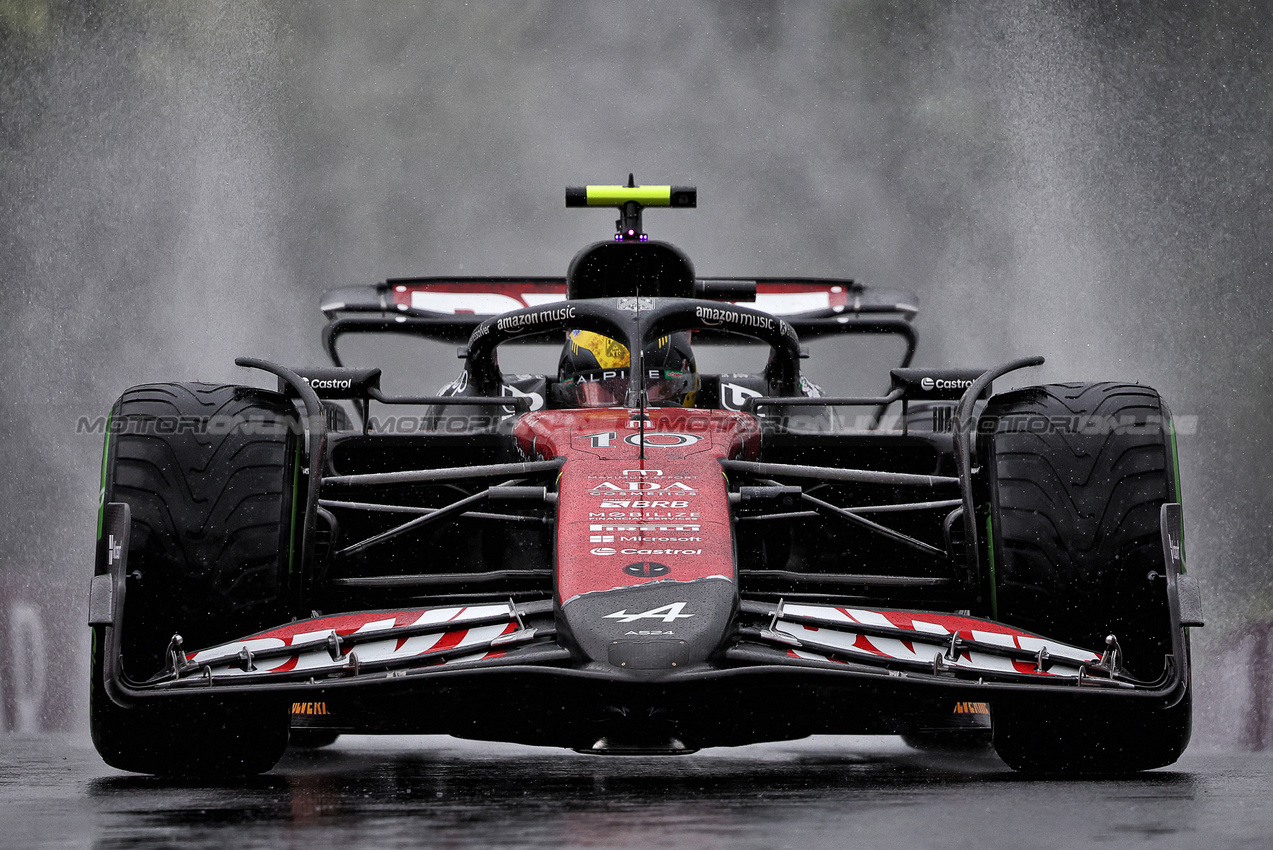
666 613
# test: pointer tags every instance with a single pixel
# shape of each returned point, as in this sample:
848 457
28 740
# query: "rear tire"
210 475
1076 555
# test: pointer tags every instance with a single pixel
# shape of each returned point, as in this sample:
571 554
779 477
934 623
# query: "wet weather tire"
1077 475
209 557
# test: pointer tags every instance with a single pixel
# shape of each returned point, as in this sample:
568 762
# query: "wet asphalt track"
439 792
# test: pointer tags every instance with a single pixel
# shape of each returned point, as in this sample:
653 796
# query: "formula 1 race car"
627 553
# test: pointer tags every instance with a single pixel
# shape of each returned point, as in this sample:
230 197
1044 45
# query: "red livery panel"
624 520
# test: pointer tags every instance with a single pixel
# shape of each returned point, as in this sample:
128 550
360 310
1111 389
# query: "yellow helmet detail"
610 353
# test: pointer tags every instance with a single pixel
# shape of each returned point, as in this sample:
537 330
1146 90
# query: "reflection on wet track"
823 792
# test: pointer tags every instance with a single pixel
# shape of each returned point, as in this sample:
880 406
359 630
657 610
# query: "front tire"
210 474
1077 475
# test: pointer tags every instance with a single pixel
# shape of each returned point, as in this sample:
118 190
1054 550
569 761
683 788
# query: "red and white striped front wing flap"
1066 661
223 659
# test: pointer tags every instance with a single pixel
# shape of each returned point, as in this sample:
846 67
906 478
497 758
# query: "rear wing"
469 297
449 309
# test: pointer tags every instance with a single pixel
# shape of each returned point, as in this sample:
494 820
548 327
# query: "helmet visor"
609 388
603 388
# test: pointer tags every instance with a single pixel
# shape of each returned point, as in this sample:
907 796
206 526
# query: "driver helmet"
594 371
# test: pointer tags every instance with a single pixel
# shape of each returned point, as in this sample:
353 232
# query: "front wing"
837 658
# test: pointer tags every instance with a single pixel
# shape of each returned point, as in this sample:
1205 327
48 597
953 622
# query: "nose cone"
644 556
653 629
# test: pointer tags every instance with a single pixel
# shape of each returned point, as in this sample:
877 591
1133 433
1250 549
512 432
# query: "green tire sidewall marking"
93 684
1176 488
101 492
